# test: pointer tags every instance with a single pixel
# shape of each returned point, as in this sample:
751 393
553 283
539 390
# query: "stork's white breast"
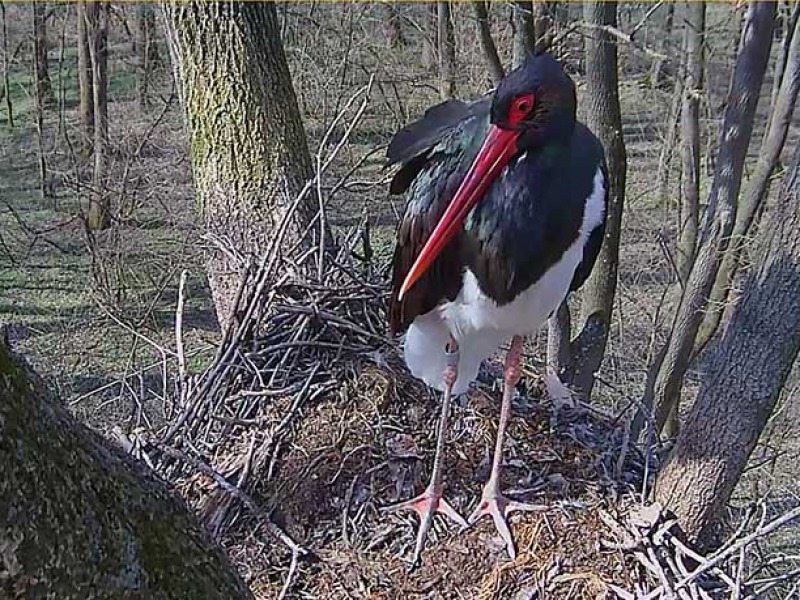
473 311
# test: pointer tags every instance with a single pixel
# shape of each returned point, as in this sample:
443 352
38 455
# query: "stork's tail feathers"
424 352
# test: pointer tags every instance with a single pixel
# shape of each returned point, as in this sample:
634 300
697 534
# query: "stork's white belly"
473 312
480 325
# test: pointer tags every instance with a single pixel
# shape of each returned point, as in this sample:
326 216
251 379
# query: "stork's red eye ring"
520 108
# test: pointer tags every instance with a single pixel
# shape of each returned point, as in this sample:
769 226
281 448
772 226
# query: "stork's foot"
499 507
427 504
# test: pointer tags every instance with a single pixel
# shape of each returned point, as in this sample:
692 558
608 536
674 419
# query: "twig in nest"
297 331
365 90
760 532
182 380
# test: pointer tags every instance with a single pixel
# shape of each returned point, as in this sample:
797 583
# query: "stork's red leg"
430 501
493 502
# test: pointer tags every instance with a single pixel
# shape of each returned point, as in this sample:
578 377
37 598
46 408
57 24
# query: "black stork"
506 207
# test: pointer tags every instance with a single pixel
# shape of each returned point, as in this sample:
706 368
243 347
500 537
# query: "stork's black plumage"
506 203
526 220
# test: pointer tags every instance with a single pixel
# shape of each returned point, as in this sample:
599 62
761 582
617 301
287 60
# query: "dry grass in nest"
363 551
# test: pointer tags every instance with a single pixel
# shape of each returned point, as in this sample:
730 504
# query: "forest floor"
93 313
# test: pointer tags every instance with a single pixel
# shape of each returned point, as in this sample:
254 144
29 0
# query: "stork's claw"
499 507
427 504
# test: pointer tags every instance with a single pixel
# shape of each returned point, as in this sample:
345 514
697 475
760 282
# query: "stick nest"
306 424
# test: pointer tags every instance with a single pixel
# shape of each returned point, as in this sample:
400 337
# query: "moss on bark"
246 140
80 519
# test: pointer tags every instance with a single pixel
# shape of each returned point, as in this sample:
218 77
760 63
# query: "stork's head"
533 106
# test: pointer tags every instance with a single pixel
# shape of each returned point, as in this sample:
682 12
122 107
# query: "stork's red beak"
497 149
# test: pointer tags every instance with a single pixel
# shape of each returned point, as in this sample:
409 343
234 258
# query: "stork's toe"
427 504
499 507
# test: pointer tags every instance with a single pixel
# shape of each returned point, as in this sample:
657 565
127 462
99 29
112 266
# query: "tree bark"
603 117
720 212
394 24
558 13
430 43
447 52
559 355
38 100
149 58
789 18
98 216
247 145
690 138
85 83
6 61
688 92
663 45
41 53
544 26
749 368
755 194
496 72
524 42
79 518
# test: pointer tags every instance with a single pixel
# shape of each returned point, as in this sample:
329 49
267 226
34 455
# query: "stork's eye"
520 108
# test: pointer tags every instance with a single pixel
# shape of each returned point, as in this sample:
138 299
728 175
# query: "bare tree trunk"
98 216
690 138
524 31
41 52
603 117
791 13
690 89
559 353
82 519
663 45
720 213
246 140
62 92
496 71
85 82
749 369
667 152
755 193
149 58
447 52
394 23
6 61
38 101
430 43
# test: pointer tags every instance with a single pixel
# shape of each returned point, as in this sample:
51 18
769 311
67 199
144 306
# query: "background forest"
195 230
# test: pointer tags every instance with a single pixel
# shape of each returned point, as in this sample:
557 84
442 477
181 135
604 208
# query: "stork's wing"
591 251
435 154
